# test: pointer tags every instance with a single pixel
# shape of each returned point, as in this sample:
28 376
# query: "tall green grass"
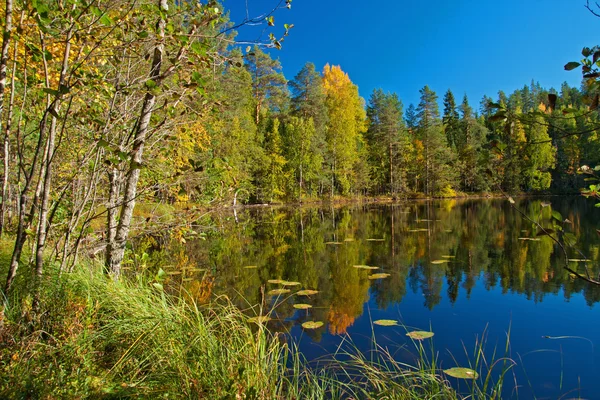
97 338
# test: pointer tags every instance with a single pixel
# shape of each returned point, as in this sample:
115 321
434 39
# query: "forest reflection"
422 245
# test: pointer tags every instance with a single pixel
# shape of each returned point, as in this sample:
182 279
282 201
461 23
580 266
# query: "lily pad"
307 292
312 324
440 261
334 243
375 240
448 256
276 281
261 319
419 230
461 373
302 306
277 292
250 267
287 283
349 240
378 276
386 322
365 267
531 239
420 335
578 260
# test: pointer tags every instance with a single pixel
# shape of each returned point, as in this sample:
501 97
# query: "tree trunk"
3 64
115 249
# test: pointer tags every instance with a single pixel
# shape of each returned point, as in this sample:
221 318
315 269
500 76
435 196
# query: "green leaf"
150 84
461 373
157 285
312 324
49 91
106 20
586 52
385 322
556 215
420 335
572 65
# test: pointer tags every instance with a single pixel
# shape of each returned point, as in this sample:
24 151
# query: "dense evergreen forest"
109 103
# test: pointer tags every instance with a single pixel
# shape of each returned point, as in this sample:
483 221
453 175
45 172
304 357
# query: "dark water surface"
497 278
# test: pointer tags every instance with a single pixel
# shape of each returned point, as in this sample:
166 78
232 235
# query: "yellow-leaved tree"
347 123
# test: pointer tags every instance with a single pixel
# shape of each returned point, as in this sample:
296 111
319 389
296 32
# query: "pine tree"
411 118
428 114
385 137
450 120
269 86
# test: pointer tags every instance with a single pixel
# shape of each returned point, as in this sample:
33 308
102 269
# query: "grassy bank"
96 338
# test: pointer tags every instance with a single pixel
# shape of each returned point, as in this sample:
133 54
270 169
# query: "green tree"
269 86
451 120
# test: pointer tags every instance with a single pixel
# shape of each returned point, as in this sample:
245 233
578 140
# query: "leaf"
378 276
586 52
312 324
286 283
307 292
511 200
302 306
278 292
461 373
49 91
150 84
556 215
157 285
385 322
250 267
440 261
364 267
420 335
276 281
572 65
375 240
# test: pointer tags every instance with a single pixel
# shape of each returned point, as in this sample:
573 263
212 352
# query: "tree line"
106 103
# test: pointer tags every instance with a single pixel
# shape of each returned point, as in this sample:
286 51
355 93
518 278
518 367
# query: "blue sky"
475 47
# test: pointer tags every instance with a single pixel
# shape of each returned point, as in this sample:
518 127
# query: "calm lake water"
461 269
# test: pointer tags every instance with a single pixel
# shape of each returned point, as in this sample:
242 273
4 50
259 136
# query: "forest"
106 104
113 109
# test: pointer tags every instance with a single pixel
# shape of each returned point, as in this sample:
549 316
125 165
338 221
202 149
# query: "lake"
464 269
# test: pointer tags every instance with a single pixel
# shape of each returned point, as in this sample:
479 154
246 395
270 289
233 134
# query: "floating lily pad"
334 243
365 267
287 283
312 324
378 276
578 260
307 292
349 240
423 220
250 267
276 281
302 306
461 373
419 230
531 239
174 273
448 256
386 322
277 292
375 240
420 335
440 261
261 319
